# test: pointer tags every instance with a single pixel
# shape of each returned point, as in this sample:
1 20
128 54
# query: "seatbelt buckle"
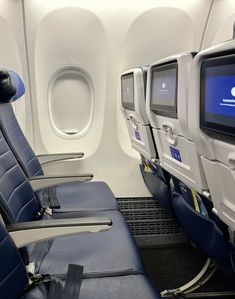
48 211
40 213
31 269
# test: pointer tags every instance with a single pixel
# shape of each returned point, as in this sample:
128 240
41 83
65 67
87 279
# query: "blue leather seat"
125 287
101 254
203 231
14 279
104 252
94 195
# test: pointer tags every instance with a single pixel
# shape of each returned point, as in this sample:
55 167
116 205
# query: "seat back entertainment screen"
127 86
163 99
217 100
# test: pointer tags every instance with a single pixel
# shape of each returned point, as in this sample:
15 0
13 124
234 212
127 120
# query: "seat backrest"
167 109
133 102
17 201
212 125
10 126
133 91
13 276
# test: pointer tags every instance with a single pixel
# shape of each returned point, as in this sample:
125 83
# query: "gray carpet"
172 267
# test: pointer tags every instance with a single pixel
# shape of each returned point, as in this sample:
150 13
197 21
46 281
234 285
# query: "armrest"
25 233
52 158
45 181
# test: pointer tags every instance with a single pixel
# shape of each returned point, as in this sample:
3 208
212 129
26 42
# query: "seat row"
181 120
47 226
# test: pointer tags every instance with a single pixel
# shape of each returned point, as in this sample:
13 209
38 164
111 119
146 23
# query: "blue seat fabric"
89 195
17 196
11 267
14 279
102 253
124 287
18 199
110 258
104 198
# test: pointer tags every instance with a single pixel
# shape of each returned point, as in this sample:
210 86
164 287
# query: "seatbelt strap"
54 203
48 198
72 285
36 280
40 251
58 290
73 282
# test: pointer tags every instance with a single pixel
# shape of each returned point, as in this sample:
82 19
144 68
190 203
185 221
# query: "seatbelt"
72 285
54 203
38 254
58 290
49 199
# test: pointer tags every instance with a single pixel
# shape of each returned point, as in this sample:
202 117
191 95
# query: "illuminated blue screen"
219 95
219 91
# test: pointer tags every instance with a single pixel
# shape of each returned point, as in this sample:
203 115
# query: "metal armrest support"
45 181
25 233
52 158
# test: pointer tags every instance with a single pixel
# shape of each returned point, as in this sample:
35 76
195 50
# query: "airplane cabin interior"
117 149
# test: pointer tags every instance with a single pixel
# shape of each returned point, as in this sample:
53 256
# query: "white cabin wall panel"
70 37
104 37
12 56
220 23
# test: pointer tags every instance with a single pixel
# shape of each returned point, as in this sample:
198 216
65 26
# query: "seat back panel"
167 109
13 276
17 141
16 191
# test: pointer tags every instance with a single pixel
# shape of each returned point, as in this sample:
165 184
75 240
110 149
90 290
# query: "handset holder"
134 122
171 137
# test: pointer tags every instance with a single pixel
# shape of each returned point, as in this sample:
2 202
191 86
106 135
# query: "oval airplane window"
71 102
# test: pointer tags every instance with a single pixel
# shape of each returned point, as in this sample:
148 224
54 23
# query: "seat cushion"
86 195
125 287
102 253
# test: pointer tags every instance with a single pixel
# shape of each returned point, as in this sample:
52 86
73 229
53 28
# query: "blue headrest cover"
11 86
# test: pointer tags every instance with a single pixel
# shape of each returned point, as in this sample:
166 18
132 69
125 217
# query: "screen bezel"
165 110
129 106
207 126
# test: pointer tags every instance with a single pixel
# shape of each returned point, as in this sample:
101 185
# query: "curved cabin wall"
12 55
152 36
99 40
220 23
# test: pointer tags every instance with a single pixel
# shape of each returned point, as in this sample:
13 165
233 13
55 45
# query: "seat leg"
199 280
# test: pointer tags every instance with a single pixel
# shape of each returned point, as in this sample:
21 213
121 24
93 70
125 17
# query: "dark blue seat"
94 195
125 287
203 231
104 252
158 183
14 279
101 254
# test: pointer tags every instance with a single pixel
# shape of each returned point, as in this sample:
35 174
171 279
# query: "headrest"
11 86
